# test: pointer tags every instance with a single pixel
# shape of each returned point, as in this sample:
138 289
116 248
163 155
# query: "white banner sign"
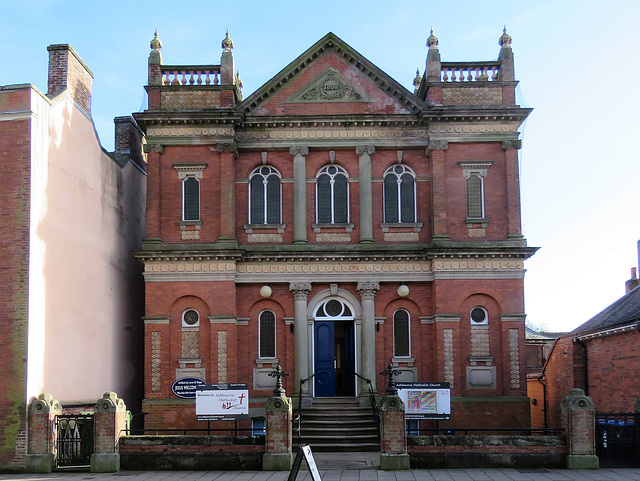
222 402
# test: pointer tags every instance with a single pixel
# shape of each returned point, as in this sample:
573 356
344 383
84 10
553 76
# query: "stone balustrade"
187 75
470 72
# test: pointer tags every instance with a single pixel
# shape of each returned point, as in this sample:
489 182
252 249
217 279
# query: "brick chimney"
633 282
128 142
67 72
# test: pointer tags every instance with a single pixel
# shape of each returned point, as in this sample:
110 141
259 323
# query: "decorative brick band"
156 360
514 355
448 356
222 356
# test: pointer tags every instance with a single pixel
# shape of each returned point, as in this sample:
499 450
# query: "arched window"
401 334
264 196
475 196
332 196
399 195
267 334
190 198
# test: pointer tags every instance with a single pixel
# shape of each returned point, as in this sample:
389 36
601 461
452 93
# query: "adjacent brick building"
334 222
601 357
70 300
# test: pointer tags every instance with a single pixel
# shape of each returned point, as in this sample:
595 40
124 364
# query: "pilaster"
368 291
299 194
514 224
366 203
439 190
228 153
154 200
300 291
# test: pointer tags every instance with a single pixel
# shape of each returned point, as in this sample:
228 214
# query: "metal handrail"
298 418
375 412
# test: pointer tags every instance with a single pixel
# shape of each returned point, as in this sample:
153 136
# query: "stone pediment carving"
330 86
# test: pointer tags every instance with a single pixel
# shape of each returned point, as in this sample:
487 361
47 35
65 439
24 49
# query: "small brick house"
601 357
334 222
70 300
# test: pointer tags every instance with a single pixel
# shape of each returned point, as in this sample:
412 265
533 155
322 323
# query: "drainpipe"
585 360
544 398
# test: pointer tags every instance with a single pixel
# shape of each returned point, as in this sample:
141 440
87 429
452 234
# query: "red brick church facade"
335 222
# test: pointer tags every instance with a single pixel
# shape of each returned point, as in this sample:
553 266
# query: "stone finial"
156 43
505 39
432 41
227 43
417 80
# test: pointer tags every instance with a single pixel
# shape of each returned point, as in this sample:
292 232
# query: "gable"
330 78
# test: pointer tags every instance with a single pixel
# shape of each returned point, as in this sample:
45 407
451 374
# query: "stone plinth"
393 436
41 447
578 420
110 423
278 450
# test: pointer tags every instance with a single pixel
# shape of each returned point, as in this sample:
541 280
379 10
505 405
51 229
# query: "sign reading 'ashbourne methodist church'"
222 402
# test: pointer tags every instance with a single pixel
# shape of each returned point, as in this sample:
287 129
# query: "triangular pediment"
330 86
345 77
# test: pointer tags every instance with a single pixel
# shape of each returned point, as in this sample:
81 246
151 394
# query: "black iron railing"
618 439
480 431
297 420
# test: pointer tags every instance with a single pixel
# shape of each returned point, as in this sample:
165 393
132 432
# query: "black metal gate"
75 439
618 439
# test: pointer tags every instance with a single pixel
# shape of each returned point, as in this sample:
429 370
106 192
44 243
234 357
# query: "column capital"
511 144
368 289
153 148
365 149
228 147
300 290
299 149
437 145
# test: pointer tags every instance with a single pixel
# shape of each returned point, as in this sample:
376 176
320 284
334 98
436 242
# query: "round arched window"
190 318
479 316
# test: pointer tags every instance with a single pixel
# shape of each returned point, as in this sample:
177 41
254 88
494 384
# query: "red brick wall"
68 72
15 153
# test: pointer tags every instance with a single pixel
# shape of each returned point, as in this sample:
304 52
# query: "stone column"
300 291
279 440
439 188
41 444
578 420
514 224
393 436
228 153
154 203
368 291
109 423
366 203
299 194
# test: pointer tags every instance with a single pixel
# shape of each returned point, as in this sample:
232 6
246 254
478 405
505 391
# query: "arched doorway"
334 349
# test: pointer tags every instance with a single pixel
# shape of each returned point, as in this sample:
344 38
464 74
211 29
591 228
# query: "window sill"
317 228
386 226
184 224
477 222
262 361
249 228
409 361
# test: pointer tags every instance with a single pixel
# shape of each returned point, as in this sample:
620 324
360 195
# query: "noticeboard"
425 400
222 402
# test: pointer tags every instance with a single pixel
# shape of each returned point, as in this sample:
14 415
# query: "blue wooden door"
324 359
350 357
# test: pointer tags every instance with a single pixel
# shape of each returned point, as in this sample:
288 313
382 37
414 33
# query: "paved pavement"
469 474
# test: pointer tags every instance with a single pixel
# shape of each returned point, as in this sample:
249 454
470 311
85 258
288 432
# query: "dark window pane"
191 199
267 334
391 198
407 198
257 200
273 199
401 333
340 199
474 196
324 199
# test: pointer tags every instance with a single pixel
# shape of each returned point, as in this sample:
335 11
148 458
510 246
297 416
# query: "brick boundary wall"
478 451
197 453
